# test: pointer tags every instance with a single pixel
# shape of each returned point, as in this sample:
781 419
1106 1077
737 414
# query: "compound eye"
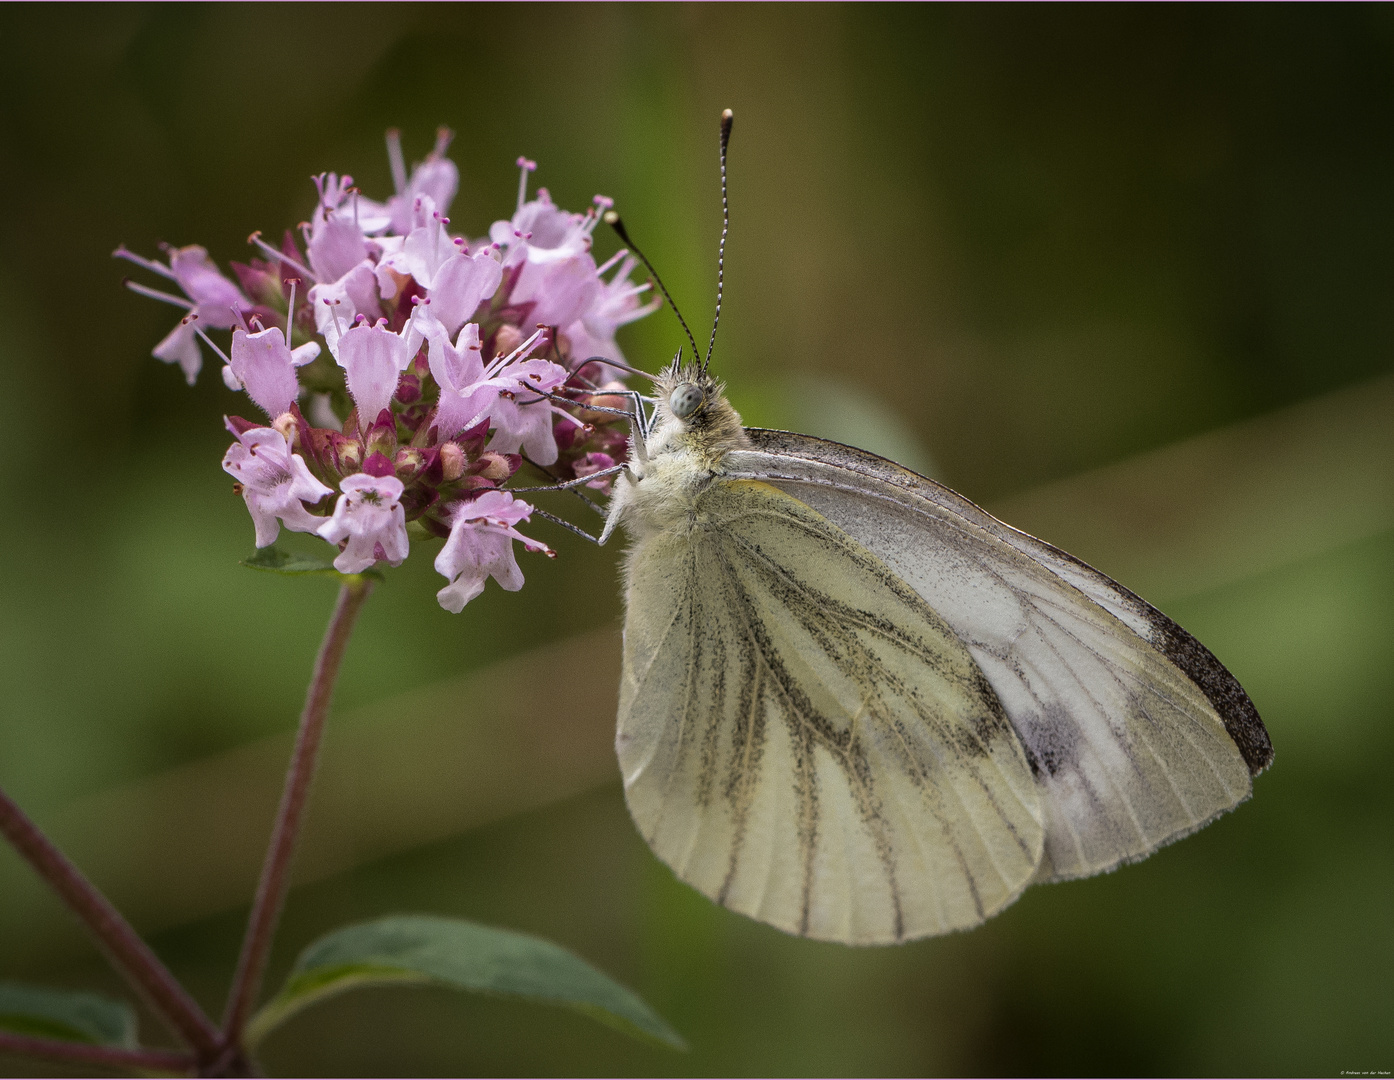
685 400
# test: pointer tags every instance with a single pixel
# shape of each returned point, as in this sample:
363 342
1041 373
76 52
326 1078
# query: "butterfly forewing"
805 740
1118 709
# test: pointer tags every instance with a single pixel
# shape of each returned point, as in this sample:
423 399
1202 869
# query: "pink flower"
373 359
336 245
213 299
436 177
462 283
337 303
540 232
264 366
370 517
427 247
561 292
511 391
480 545
275 483
592 463
459 372
337 194
615 303
520 416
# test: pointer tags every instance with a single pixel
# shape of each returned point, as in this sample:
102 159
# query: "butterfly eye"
685 400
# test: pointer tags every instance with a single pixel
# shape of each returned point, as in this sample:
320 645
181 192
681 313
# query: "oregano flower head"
407 372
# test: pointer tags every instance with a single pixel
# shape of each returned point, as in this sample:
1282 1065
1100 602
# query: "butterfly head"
693 412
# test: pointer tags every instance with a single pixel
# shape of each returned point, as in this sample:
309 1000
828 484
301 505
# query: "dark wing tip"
1199 664
1236 710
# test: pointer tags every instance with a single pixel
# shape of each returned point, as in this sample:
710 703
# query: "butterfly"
859 708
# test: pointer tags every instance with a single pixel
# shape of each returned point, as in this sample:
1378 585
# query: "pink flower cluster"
408 372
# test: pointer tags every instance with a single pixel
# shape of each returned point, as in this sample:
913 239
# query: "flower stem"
275 879
141 1059
118 939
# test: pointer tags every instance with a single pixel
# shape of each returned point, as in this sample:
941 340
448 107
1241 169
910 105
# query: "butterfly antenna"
612 219
726 119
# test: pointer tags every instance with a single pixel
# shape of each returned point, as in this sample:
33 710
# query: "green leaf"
429 950
274 560
62 1014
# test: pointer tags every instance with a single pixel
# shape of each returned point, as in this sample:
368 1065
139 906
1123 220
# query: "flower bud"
452 461
494 466
378 466
408 463
286 425
408 389
507 339
348 455
382 436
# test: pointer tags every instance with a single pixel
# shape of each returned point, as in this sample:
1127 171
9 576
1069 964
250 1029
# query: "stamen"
444 136
633 290
150 264
522 350
155 294
395 160
441 223
526 166
333 306
280 256
208 340
290 310
605 266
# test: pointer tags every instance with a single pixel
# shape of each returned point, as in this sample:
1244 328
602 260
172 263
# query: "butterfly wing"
804 740
1136 734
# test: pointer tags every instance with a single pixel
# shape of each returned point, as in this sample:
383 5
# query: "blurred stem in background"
125 948
116 1057
216 1053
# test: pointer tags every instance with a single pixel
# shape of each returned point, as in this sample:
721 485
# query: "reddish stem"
275 879
116 1056
125 948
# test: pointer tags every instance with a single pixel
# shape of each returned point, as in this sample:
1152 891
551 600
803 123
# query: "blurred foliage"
1038 239
460 955
56 1014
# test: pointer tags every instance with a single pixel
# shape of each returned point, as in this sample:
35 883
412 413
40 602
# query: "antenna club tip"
611 218
727 116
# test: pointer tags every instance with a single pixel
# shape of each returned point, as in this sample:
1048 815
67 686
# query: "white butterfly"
858 707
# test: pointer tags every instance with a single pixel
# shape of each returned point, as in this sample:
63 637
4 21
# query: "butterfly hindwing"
805 740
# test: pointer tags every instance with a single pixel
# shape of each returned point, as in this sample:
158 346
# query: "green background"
1006 244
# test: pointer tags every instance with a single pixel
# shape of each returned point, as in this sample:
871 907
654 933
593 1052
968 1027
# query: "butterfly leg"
567 525
567 485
